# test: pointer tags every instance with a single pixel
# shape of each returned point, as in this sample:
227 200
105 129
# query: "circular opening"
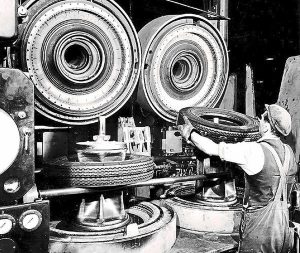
181 69
76 56
185 72
222 120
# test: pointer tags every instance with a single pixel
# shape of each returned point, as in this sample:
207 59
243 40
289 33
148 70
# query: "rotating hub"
101 213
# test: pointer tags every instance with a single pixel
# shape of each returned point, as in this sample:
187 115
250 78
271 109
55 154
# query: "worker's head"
276 120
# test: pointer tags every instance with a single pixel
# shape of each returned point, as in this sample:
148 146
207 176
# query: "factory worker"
270 170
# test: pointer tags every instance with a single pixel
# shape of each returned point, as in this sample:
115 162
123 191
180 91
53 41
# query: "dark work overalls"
265 222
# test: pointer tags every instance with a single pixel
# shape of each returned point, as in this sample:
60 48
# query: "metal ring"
198 217
153 223
81 56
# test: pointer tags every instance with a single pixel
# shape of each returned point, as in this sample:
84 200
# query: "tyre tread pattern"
101 174
245 130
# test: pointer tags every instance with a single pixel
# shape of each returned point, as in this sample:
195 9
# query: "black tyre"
220 124
101 174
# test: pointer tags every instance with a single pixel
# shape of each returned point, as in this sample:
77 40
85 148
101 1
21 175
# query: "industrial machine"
24 215
80 65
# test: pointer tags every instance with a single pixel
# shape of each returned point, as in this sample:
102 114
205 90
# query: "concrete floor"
187 242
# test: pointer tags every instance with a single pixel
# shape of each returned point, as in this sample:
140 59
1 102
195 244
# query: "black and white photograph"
149 126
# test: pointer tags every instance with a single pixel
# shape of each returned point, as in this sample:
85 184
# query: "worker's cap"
279 118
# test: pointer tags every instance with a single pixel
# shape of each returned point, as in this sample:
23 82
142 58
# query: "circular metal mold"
103 145
83 57
99 151
10 141
153 222
209 202
221 124
198 217
185 63
92 227
70 172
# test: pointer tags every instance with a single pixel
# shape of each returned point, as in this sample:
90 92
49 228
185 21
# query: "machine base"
156 233
197 217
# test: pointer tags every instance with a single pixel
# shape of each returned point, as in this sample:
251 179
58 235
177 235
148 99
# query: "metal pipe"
174 158
298 21
172 180
223 24
50 193
209 13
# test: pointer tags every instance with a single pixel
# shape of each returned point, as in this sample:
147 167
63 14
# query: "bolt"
22 114
22 11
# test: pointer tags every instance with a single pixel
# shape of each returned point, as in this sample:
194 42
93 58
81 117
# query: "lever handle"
27 133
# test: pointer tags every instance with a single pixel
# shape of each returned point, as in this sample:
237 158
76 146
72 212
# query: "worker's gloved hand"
186 129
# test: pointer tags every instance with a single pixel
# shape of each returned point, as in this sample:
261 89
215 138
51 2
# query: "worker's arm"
204 144
248 155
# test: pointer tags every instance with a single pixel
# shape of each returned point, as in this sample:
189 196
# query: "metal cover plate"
8 20
102 145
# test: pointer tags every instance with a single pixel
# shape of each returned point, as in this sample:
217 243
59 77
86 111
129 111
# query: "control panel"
25 228
16 135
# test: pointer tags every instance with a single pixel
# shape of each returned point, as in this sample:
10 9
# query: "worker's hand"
186 129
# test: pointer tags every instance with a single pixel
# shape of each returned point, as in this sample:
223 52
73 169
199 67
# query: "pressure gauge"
7 222
30 220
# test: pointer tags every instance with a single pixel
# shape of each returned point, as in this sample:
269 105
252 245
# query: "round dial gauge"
30 220
10 141
7 222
